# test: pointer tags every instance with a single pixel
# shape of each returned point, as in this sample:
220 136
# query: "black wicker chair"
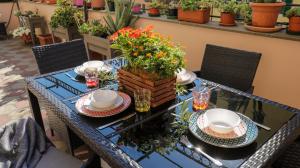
55 57
60 56
230 67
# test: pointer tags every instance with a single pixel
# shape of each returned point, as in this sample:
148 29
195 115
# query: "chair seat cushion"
55 158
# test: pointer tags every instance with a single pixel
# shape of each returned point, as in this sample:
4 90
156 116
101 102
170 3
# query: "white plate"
96 64
79 70
88 105
190 79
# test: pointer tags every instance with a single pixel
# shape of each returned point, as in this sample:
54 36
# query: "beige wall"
278 75
5 9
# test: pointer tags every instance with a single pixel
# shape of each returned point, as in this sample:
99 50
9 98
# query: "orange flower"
114 36
161 54
135 54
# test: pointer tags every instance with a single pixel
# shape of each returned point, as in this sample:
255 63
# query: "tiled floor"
16 62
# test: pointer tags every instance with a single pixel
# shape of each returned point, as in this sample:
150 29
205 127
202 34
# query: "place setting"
185 77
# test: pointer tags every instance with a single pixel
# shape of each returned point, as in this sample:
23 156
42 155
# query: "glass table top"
151 140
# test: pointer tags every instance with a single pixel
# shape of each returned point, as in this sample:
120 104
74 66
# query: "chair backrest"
58 56
230 67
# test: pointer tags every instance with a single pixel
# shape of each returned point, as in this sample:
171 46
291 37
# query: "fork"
188 144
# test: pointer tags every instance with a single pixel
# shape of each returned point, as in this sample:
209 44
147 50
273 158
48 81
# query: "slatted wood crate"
162 91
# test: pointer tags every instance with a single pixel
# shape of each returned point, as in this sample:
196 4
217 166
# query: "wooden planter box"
99 45
198 16
162 91
68 34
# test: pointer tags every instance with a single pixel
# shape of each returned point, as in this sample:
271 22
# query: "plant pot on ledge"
197 16
98 4
26 38
227 19
154 12
294 25
265 14
68 34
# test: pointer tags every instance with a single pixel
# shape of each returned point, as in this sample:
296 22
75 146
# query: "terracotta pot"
227 19
98 4
294 24
26 38
45 39
51 1
198 16
154 12
265 14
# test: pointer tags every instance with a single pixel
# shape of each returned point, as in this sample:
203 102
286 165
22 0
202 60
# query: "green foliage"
246 12
124 16
230 6
94 28
64 15
156 4
293 12
173 4
195 4
182 119
28 13
181 89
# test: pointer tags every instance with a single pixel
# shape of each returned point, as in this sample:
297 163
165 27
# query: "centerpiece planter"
265 14
162 90
152 62
197 16
227 19
68 34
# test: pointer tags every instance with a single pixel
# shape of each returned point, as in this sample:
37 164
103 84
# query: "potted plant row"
152 62
197 11
63 23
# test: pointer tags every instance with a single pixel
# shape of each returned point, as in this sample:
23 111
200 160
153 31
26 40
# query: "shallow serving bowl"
103 98
222 120
93 64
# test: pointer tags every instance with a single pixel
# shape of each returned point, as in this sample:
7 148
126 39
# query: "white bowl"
93 64
103 98
222 120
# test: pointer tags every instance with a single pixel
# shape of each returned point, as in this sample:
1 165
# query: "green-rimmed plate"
251 134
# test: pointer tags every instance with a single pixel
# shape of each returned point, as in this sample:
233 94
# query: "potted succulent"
229 9
23 33
97 4
294 20
155 6
63 23
197 11
137 8
111 5
152 60
265 12
172 12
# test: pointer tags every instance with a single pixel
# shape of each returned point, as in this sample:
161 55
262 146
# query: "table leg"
35 109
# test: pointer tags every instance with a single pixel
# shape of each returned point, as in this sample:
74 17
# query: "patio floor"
16 63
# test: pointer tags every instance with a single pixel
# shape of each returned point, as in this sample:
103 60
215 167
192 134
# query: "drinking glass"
201 97
142 99
91 77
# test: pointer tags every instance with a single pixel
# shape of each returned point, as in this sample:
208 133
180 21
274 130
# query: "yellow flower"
161 54
141 48
148 55
135 54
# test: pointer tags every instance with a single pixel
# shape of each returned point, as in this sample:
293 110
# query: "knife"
116 121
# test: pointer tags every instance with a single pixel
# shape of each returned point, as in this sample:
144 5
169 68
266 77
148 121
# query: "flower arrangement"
149 52
21 31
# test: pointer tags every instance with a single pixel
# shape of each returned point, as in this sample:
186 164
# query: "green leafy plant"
293 12
148 52
94 28
193 5
123 16
28 13
246 12
156 4
173 4
181 89
64 15
230 6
